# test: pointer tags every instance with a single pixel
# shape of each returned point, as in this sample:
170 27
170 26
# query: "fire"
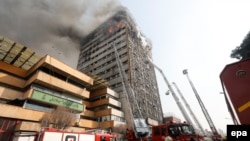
110 30
119 24
116 27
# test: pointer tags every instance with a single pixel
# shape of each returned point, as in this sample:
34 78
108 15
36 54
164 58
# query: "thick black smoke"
242 51
54 27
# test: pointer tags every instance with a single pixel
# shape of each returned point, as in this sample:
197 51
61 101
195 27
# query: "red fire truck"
235 80
174 131
54 135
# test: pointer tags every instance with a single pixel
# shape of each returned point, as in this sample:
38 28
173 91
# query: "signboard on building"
54 100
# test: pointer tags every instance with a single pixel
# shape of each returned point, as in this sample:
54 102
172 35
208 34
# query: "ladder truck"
216 135
190 110
167 128
179 104
140 131
138 124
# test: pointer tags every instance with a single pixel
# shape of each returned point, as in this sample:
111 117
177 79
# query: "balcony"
88 113
44 80
20 113
9 94
106 101
110 124
55 83
109 112
104 91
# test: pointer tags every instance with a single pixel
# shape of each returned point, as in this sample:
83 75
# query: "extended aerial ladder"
190 110
138 124
179 104
203 108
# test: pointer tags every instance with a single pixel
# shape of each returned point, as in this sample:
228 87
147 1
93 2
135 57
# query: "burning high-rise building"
98 58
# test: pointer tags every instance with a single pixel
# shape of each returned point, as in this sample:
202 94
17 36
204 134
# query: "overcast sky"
197 35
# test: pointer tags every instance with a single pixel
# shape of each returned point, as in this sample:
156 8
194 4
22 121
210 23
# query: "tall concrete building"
98 58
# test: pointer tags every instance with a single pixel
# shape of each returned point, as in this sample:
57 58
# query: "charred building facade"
98 57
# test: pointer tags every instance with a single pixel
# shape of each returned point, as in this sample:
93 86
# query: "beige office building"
31 86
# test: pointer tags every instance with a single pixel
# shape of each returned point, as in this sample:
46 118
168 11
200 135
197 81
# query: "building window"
38 107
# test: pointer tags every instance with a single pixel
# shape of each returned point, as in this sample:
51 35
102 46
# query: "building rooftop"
23 61
17 54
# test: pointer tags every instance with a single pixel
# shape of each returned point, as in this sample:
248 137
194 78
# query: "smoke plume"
54 27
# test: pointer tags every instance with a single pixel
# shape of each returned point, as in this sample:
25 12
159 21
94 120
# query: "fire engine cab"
173 131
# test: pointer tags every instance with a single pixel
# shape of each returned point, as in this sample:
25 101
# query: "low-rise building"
31 86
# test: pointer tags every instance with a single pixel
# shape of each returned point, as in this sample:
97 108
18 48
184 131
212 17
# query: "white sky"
197 35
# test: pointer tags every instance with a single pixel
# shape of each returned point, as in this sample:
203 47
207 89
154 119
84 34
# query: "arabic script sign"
47 98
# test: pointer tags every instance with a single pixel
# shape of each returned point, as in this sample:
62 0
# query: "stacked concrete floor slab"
97 57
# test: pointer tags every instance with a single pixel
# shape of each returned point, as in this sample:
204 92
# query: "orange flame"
110 30
116 27
119 25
